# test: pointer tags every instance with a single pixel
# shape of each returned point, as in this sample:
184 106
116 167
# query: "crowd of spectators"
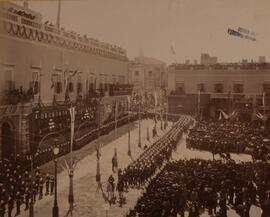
230 136
16 176
20 95
196 186
19 186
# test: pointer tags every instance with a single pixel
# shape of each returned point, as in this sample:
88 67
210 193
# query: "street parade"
134 108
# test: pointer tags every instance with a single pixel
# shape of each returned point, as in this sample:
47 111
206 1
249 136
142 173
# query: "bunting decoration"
229 116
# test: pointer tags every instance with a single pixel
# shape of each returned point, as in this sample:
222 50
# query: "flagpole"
167 109
115 133
264 119
39 88
129 148
71 195
155 111
98 175
161 119
140 143
199 104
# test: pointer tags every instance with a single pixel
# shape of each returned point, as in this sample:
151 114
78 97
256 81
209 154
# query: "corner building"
43 70
227 87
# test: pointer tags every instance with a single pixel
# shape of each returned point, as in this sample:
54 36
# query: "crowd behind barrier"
230 136
198 186
144 167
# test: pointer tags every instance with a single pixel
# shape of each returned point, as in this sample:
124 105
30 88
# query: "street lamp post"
161 120
167 110
129 148
55 209
140 142
71 195
31 209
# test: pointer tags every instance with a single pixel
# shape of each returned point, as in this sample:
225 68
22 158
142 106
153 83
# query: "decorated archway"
7 140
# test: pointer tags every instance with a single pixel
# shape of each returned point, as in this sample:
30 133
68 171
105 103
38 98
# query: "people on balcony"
16 96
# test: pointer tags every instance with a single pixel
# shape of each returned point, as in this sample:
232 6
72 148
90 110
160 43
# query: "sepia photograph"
134 108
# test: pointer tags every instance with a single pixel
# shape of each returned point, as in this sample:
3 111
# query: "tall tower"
25 4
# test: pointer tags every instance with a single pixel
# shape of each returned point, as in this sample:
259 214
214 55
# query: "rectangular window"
201 87
9 83
101 86
105 83
79 87
58 87
238 88
34 84
219 88
179 88
70 87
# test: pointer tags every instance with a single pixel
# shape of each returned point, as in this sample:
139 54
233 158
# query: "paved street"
88 201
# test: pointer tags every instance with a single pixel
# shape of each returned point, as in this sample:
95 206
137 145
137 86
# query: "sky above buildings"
153 27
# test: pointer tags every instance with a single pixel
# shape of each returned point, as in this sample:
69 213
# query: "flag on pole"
155 97
224 115
263 100
65 80
220 116
172 50
128 101
52 82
